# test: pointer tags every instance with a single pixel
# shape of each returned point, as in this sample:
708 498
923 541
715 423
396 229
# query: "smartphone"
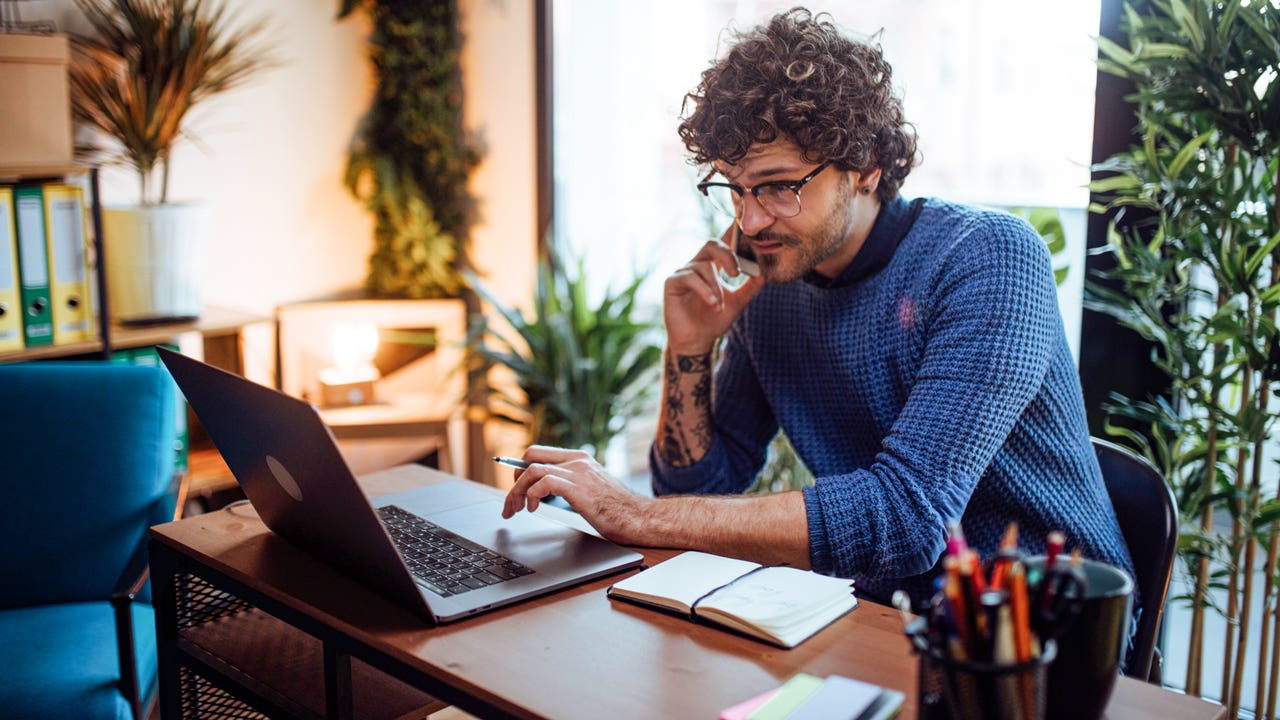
746 257
747 265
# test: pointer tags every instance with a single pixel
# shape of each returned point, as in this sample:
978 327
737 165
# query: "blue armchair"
86 466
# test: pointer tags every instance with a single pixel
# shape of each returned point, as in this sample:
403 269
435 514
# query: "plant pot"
152 257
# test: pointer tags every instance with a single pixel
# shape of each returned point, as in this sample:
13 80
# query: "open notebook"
777 604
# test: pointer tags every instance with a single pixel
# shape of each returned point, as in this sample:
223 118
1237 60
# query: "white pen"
513 462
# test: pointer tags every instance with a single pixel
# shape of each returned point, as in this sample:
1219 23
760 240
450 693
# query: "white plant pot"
153 257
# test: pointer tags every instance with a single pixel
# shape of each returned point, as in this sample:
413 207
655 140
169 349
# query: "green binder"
33 265
148 356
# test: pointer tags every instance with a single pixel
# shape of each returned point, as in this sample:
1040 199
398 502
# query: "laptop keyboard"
446 563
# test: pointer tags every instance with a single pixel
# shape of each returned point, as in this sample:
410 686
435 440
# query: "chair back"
1148 516
86 461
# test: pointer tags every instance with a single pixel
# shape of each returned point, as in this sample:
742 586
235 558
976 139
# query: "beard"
799 256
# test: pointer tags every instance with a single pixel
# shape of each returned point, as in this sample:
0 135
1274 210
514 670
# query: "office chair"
1148 517
87 458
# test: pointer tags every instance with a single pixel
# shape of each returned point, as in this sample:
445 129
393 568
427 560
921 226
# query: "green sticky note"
794 692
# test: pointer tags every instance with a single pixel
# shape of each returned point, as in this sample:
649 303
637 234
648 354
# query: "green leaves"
1195 235
583 369
411 159
1048 224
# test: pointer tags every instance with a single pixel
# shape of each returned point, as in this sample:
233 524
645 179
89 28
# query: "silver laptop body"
289 465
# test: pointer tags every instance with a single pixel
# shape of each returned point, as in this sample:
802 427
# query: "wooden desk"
571 654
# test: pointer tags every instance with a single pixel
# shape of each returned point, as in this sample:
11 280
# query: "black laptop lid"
286 460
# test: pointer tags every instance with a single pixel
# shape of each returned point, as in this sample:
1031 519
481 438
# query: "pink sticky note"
745 708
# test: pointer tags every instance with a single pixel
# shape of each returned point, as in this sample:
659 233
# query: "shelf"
282 666
20 173
49 352
213 323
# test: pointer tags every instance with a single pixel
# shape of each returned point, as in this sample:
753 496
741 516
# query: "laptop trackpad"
534 541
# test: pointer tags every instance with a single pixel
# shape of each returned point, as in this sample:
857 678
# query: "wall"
498 75
270 156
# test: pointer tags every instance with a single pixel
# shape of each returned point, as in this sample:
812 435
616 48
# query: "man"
913 352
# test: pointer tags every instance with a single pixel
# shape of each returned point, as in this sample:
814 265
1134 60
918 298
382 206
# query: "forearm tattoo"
685 433
689 364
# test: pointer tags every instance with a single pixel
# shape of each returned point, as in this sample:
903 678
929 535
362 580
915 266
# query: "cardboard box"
35 127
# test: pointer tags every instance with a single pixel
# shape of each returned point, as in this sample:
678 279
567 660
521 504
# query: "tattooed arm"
684 427
767 529
697 311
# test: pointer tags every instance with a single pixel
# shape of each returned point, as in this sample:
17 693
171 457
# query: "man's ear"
868 181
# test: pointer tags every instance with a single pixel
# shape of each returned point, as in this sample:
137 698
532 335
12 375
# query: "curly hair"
799 78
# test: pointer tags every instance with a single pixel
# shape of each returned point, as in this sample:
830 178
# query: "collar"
892 223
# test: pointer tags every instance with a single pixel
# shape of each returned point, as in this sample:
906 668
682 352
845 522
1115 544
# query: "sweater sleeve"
989 318
742 426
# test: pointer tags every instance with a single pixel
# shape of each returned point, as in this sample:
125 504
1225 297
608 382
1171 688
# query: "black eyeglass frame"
792 185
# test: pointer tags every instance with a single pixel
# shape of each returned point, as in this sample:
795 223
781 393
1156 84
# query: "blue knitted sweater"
931 381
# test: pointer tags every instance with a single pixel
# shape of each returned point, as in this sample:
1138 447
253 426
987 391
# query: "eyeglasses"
781 199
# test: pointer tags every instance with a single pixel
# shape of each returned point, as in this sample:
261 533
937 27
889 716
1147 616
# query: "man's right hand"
697 309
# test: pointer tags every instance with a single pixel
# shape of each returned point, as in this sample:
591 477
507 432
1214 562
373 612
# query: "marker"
1057 541
956 544
513 462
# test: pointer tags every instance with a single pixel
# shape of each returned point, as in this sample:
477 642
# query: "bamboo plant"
1197 271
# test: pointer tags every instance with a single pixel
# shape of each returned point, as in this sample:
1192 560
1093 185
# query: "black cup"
1092 643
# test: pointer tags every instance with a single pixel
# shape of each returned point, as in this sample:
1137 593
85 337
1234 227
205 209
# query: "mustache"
773 237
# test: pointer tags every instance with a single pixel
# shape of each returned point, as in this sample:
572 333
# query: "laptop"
442 551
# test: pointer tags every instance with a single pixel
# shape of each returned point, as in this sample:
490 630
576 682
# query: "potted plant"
1196 245
134 79
583 369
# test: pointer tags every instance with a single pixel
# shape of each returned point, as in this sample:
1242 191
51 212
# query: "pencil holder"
958 690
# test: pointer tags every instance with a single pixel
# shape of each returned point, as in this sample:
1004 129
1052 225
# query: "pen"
1070 589
903 603
513 462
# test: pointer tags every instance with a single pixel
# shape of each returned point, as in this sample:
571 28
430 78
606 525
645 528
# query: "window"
1001 93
